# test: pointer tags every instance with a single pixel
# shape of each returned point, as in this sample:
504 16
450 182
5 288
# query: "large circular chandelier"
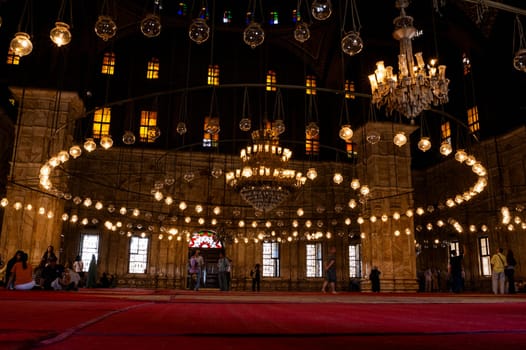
264 181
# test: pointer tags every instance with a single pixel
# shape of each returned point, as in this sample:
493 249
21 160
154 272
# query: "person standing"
91 281
330 271
196 265
222 268
455 265
229 274
78 267
48 254
498 264
256 278
509 271
374 276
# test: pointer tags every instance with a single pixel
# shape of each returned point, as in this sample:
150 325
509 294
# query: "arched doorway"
209 247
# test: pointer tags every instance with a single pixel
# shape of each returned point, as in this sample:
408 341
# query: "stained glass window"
89 245
101 122
271 259
314 260
204 239
138 254
355 264
485 256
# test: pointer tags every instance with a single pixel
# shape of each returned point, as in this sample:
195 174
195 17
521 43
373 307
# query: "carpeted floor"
167 319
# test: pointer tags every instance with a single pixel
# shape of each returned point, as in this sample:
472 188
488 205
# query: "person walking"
330 271
498 264
509 271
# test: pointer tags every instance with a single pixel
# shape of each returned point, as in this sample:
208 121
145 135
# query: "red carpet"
139 319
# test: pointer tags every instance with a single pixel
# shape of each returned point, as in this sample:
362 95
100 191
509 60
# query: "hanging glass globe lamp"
60 35
253 35
199 31
21 44
105 28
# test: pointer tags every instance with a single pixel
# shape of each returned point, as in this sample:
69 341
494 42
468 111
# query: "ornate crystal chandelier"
416 87
264 181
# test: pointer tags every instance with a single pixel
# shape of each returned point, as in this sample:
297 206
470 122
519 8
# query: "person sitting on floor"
70 279
21 277
51 275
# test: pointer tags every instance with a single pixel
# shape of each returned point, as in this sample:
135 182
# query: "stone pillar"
32 219
388 244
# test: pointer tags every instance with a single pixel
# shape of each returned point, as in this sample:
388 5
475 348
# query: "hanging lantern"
21 45
253 35
321 9
302 32
75 151
352 44
105 28
373 137
400 139
151 26
106 141
181 128
90 145
312 130
60 35
446 148
312 173
346 132
245 124
199 31
424 144
128 138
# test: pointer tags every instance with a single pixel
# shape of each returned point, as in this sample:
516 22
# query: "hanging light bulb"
352 44
302 32
346 132
373 137
199 31
424 144
154 133
245 124
212 126
337 178
312 173
90 145
279 126
60 35
105 28
355 184
519 60
400 139
21 45
312 130
446 148
253 35
106 142
151 26
321 9
461 156
181 128
75 151
128 138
